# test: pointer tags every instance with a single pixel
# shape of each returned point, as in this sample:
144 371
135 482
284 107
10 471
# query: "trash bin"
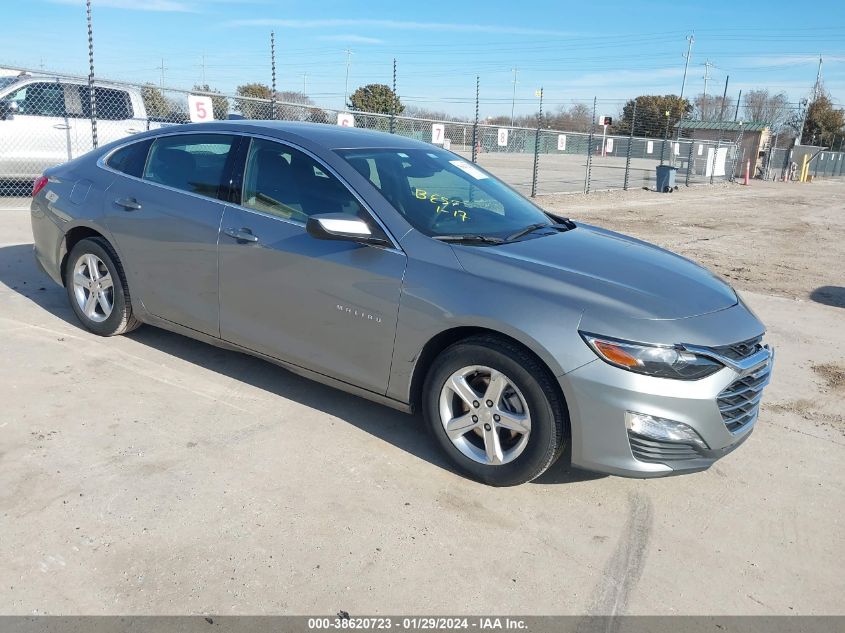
666 178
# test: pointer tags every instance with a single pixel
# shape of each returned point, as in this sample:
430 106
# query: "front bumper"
598 395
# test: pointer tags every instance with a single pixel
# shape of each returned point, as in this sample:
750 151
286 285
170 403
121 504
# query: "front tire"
495 411
97 290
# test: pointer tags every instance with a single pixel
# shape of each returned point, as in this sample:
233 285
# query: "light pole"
346 86
513 98
691 41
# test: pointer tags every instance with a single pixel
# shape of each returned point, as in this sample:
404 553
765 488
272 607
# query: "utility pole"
305 84
738 100
202 64
346 87
707 66
724 97
161 78
515 71
690 42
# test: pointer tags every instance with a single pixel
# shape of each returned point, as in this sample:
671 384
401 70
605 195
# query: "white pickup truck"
46 120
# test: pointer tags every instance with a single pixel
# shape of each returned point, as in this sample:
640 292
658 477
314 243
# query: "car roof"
327 135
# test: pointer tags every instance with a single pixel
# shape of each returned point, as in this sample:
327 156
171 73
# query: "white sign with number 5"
345 119
200 109
438 133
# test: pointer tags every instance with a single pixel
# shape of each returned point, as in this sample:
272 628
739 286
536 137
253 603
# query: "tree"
764 107
712 108
155 103
824 123
652 114
250 108
219 104
377 98
575 118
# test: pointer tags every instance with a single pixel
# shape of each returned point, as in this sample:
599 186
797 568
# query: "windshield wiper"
564 226
470 239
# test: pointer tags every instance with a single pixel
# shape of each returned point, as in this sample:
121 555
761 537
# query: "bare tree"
762 106
711 107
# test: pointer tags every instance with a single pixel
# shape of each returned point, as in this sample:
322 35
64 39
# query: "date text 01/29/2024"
417 623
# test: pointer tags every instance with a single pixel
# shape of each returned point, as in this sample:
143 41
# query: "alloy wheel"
93 287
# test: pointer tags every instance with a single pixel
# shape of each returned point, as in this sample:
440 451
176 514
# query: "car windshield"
441 194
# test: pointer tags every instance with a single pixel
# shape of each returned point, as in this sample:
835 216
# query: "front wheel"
494 409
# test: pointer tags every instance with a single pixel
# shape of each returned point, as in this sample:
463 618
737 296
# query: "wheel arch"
71 238
446 338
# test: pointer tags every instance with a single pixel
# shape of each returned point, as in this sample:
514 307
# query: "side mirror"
8 109
342 227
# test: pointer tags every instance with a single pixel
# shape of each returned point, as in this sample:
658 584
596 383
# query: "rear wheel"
97 289
494 409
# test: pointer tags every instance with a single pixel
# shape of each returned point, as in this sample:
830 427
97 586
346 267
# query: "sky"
576 51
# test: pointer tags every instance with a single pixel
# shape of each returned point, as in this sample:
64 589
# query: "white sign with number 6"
503 137
438 133
200 109
345 119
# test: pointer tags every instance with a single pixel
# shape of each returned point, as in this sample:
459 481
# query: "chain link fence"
46 119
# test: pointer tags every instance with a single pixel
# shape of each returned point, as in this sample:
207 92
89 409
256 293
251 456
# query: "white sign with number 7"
438 132
200 109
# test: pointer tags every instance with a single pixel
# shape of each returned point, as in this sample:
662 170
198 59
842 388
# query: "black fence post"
393 101
689 161
92 98
272 75
587 174
630 146
537 147
475 124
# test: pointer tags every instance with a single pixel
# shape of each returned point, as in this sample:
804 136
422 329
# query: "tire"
529 401
109 284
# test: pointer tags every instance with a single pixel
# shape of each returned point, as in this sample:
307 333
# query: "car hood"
601 270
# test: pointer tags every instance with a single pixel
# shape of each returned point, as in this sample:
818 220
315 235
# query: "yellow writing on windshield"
444 204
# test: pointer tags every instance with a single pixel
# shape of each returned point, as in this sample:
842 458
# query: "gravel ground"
152 474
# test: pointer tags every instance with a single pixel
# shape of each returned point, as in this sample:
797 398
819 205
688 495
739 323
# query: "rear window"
131 159
113 105
190 162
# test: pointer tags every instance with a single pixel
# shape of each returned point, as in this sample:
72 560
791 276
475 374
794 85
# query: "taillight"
39 184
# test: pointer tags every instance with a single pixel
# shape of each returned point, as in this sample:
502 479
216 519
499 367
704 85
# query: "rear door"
166 225
328 306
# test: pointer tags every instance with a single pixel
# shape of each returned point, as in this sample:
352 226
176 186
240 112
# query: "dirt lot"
154 474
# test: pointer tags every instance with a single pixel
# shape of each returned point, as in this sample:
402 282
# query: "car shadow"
829 296
19 272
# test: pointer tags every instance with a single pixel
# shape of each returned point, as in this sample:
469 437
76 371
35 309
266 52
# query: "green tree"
824 122
219 104
652 113
250 108
377 98
156 104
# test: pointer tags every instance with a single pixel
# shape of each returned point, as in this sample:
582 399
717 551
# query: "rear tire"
494 409
97 290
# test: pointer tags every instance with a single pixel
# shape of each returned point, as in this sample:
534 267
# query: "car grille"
646 449
738 351
739 403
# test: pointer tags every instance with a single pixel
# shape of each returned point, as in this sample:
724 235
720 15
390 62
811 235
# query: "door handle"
61 126
241 235
128 204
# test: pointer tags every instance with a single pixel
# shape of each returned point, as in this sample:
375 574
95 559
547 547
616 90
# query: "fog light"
662 429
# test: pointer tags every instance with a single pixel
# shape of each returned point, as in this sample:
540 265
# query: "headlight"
652 360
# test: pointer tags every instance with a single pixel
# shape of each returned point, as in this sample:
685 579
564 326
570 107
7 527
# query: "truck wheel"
495 411
97 290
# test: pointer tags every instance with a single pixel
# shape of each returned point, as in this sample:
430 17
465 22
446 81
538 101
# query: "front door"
166 227
328 306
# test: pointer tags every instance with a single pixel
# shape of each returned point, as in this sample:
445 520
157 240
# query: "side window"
113 105
40 99
290 184
131 159
190 162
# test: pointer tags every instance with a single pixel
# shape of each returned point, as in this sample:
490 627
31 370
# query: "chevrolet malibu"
403 273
